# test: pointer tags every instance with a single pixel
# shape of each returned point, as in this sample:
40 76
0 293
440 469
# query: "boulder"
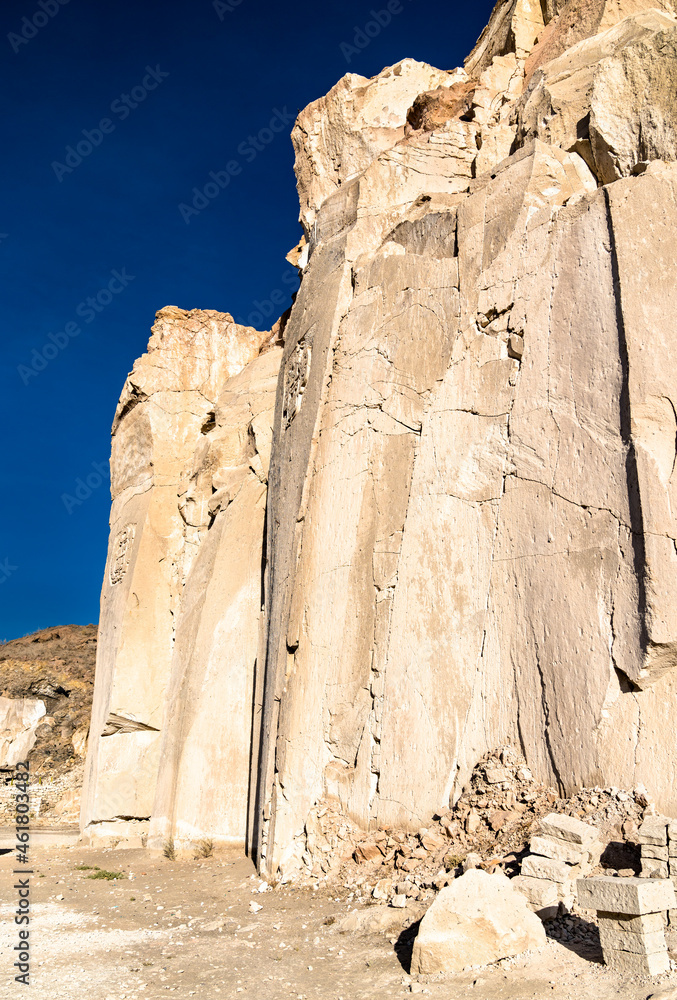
479 919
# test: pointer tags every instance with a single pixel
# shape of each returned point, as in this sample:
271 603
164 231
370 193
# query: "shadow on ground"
404 946
577 935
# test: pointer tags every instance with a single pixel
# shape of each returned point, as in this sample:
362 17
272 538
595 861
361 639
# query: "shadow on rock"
620 856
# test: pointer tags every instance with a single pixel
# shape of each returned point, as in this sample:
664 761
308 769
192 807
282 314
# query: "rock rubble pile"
502 810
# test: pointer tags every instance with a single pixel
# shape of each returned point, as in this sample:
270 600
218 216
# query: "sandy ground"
187 929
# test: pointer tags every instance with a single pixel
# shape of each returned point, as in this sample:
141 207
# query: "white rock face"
478 919
209 699
338 136
470 506
166 405
19 719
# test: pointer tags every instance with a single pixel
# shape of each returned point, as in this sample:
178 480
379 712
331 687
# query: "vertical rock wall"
466 535
165 410
203 783
483 487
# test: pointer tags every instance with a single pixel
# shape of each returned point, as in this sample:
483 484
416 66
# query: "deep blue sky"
60 239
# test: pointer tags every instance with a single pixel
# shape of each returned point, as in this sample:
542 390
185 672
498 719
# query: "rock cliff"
448 524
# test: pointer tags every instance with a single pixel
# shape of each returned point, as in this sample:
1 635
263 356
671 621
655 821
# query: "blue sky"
151 97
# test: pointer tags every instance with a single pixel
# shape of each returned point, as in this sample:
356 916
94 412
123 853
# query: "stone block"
672 833
639 944
497 775
637 965
657 853
652 868
556 871
654 831
645 923
539 891
567 828
558 850
633 896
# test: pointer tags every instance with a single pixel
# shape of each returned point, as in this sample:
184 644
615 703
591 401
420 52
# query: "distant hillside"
55 665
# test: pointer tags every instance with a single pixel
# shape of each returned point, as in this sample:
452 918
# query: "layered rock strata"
470 533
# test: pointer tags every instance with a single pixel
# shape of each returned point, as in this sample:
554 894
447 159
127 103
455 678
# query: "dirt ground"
187 928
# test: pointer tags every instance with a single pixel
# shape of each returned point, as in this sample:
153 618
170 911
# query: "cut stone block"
559 850
645 923
672 832
651 868
658 853
539 891
567 828
654 830
638 944
637 965
632 896
556 871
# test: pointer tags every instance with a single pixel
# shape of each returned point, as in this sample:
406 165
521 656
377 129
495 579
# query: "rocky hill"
440 519
50 674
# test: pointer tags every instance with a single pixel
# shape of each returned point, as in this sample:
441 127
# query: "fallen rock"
477 920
